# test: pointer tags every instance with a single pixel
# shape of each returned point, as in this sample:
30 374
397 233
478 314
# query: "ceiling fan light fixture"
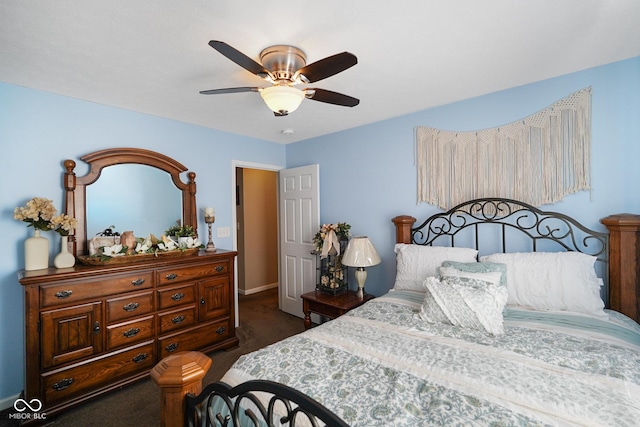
282 99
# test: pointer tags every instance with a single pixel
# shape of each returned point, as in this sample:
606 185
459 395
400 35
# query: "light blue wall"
38 130
368 176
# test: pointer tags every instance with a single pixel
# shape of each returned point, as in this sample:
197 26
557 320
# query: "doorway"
238 169
276 213
257 229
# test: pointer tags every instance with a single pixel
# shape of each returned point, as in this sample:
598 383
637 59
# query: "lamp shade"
360 252
282 99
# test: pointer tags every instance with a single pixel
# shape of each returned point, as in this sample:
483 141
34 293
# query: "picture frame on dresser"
94 328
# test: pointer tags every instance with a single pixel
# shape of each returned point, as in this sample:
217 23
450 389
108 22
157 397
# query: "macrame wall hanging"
537 160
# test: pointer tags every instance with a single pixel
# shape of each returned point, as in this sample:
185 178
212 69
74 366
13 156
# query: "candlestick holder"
210 246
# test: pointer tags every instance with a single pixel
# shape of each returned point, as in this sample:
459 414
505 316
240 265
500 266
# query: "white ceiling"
152 56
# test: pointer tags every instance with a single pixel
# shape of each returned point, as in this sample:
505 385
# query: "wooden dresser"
92 329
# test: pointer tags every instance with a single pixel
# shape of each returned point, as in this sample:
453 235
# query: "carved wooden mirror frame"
76 187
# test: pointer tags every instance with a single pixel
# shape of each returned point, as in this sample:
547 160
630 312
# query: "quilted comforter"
381 365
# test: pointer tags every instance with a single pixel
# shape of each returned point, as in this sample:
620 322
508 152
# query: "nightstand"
330 306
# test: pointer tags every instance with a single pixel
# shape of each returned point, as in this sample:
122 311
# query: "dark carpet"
261 324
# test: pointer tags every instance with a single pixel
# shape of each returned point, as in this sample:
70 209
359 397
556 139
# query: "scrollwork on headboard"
538 225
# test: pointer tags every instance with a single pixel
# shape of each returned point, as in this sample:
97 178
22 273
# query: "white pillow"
415 263
470 300
555 281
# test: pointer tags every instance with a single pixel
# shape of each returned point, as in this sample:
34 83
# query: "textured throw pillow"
556 281
479 267
470 300
415 263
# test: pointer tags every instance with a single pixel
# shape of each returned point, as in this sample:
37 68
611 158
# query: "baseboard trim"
8 402
258 289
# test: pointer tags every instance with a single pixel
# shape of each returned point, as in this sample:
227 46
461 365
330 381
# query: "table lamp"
360 253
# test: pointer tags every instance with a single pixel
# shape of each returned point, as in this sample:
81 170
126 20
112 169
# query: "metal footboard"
256 403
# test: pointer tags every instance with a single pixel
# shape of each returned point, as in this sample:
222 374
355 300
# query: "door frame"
235 164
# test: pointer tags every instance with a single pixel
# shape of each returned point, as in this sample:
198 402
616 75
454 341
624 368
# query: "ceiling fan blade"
240 58
330 97
327 67
229 90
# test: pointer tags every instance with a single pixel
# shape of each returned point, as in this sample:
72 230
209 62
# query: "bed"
496 317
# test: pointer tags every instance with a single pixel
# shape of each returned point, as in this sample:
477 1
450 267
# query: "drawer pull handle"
177 319
96 328
171 276
63 294
202 301
178 296
137 282
219 268
140 357
131 306
221 330
62 384
132 332
171 347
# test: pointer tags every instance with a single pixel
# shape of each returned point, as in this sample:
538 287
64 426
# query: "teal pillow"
480 267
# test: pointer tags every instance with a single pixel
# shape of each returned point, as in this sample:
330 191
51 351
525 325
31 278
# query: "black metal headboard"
513 220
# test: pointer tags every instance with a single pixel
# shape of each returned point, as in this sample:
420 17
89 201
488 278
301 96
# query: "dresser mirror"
139 198
131 189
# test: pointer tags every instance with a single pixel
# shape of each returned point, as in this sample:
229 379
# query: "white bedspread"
381 365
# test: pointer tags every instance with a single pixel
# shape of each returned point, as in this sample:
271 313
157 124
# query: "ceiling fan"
285 67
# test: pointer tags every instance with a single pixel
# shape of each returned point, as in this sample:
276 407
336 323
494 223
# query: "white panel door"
299 222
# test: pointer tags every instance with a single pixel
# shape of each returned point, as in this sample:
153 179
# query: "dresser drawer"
176 296
71 292
75 380
195 272
131 332
129 306
177 319
196 338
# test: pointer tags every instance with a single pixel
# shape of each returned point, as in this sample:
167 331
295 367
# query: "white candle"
209 212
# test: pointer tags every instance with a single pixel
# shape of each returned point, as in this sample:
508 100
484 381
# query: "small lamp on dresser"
360 253
210 218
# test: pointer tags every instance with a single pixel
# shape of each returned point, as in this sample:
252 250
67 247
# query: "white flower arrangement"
114 251
143 247
192 242
149 245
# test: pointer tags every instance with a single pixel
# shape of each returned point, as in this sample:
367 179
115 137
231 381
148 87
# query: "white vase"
64 259
36 252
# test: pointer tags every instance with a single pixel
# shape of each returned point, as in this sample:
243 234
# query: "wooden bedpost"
403 228
177 375
69 184
624 263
